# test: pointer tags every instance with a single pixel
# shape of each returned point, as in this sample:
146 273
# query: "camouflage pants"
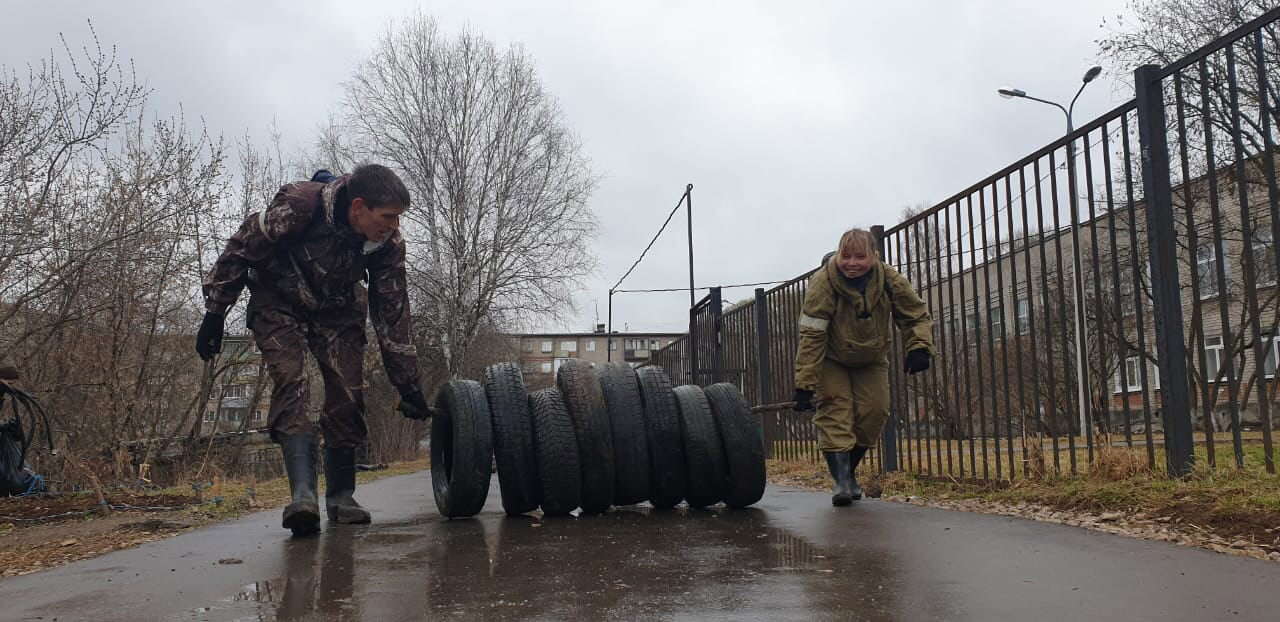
337 340
854 407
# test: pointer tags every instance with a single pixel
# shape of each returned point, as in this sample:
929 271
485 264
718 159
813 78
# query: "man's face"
854 263
377 223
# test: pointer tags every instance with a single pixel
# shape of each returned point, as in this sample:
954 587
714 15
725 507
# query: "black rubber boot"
855 458
838 463
302 516
340 485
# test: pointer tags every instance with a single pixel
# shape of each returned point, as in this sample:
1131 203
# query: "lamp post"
1077 277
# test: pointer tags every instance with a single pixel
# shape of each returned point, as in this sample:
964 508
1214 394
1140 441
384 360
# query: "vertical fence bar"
1162 249
1266 110
1139 294
716 320
940 398
977 263
1013 285
1096 287
954 405
762 367
1117 305
991 336
1208 397
1250 282
1068 412
1034 352
889 437
1234 376
1048 316
964 342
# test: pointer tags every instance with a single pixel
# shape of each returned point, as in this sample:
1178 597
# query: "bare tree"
500 227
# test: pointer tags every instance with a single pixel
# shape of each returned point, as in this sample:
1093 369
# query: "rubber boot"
340 485
838 463
855 458
302 515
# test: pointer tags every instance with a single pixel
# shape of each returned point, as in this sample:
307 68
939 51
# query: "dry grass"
1222 502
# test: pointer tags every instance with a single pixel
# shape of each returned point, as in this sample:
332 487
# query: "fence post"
693 344
889 439
762 364
1163 252
717 344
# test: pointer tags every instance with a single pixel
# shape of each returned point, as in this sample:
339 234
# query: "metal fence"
1114 289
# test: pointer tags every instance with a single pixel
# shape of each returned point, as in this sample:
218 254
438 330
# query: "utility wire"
655 239
685 289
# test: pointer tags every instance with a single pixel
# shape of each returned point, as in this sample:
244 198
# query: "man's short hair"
378 185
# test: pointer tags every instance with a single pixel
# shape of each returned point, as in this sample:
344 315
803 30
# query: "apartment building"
231 399
540 354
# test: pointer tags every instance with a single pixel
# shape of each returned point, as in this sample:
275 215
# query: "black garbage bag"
16 475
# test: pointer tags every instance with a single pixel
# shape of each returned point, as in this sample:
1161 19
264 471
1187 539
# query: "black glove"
804 400
209 339
917 361
413 405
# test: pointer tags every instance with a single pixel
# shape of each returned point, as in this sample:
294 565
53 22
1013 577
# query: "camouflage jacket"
296 254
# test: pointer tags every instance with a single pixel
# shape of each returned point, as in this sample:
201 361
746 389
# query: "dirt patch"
45 531
50 508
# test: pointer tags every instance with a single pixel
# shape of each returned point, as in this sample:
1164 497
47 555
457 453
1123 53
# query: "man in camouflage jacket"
303 259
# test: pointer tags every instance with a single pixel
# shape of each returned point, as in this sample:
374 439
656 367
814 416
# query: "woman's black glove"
804 400
917 361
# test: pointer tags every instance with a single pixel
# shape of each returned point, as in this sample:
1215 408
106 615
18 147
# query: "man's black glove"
917 361
804 400
413 405
209 339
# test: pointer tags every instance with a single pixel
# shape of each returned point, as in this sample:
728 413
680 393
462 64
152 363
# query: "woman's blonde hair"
858 240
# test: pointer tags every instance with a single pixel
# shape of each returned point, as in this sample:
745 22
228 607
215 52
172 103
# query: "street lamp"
1082 354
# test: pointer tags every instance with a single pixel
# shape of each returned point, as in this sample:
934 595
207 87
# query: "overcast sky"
793 121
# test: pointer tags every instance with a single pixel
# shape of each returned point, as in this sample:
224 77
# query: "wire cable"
655 237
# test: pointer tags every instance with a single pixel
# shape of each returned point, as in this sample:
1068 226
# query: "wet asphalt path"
793 557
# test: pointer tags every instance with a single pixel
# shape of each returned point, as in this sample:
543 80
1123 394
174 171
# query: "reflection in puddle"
630 561
260 591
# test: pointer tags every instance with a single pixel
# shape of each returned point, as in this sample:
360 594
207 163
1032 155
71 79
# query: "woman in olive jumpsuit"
842 360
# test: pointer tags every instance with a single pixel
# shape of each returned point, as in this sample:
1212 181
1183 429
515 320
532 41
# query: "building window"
1264 256
210 416
974 321
546 347
653 344
237 390
613 346
591 345
1131 380
1213 352
1207 268
546 368
527 346
527 367
1269 364
568 346
259 416
996 320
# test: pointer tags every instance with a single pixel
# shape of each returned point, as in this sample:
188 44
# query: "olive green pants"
853 405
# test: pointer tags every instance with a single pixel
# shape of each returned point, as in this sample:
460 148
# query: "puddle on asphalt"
631 557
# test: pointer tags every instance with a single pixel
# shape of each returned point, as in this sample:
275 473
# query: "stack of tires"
605 435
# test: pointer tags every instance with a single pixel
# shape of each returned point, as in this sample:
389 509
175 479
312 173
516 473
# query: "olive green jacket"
833 323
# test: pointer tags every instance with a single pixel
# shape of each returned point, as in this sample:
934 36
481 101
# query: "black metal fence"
1116 289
